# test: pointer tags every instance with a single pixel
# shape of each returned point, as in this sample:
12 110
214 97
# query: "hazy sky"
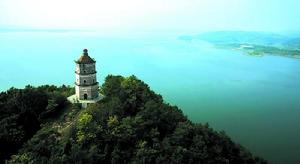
152 15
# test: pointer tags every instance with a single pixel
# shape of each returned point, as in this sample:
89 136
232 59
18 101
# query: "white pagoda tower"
86 85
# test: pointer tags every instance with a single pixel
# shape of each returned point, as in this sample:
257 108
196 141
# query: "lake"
256 100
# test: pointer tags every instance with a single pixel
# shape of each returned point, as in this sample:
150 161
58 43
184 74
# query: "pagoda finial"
85 51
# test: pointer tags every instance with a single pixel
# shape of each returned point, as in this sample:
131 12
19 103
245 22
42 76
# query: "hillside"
132 124
24 111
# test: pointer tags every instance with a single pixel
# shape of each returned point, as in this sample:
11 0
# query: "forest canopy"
132 124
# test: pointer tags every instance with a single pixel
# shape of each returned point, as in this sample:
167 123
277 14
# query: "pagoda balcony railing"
86 84
87 73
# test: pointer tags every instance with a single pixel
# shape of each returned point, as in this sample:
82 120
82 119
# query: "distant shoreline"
260 50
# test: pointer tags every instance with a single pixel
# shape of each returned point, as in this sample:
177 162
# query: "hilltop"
132 124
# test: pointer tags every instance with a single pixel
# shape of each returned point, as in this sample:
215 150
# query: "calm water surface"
256 100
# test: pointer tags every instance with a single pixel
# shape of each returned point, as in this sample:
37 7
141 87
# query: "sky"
152 15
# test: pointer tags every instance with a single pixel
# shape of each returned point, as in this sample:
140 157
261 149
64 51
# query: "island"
260 50
131 124
252 43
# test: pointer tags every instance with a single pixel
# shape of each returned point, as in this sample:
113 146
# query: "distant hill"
243 37
132 124
294 42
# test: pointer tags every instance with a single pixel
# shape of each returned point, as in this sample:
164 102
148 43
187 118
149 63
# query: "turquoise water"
256 100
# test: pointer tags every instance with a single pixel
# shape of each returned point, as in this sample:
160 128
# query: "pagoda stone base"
87 92
75 100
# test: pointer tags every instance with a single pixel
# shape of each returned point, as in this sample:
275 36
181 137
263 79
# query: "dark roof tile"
85 58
